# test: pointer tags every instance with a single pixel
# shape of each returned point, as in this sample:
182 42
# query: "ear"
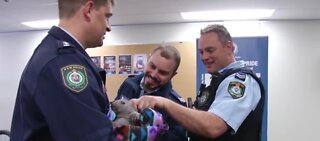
87 9
230 46
174 74
124 97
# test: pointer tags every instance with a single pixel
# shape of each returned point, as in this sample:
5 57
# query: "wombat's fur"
126 114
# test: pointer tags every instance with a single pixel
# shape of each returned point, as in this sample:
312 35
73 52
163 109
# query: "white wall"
294 58
15 50
294 66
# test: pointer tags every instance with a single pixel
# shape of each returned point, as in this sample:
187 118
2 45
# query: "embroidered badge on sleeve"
74 77
203 97
236 89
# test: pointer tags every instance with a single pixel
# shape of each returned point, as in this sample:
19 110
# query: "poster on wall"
139 62
96 60
109 64
254 52
125 64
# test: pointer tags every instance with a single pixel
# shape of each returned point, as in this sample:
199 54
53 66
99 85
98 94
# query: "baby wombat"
126 114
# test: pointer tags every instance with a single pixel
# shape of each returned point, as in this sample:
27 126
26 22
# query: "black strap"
5 132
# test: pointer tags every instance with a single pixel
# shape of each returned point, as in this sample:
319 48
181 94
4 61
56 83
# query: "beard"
151 83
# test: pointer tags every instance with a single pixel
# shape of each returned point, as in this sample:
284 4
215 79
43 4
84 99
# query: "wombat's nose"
112 106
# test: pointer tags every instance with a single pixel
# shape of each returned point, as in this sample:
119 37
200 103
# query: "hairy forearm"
199 122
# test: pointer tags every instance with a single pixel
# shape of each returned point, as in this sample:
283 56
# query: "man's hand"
154 102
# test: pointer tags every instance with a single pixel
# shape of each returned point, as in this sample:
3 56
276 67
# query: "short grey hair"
222 32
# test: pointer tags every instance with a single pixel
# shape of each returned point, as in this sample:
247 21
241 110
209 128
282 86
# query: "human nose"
153 73
204 56
108 27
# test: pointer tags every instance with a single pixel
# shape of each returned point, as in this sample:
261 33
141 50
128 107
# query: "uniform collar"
74 38
62 35
236 64
143 92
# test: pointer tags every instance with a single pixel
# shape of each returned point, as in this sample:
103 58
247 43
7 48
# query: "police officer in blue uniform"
61 94
231 107
160 69
242 84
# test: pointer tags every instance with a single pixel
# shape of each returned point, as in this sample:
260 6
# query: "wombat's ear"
124 97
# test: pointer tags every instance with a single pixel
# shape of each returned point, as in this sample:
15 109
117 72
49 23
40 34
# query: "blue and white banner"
254 51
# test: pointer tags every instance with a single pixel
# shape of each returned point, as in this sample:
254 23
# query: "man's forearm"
199 122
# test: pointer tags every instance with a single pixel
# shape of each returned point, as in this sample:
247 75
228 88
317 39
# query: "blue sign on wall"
254 52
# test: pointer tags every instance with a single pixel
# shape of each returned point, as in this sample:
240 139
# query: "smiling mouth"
208 63
153 79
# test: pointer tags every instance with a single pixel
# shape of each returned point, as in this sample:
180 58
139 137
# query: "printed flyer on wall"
96 60
139 62
109 64
125 64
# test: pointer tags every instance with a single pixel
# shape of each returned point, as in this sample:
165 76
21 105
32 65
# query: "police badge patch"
203 97
74 77
236 89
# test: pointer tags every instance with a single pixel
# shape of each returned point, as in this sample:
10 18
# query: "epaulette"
177 96
65 47
241 76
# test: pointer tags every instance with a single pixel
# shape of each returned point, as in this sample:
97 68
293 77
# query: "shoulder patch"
241 76
74 77
65 47
204 95
62 44
236 89
182 100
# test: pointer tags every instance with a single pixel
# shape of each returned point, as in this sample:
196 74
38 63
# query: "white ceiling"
127 12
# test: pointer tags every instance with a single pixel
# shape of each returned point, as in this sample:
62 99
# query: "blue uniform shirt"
234 110
60 95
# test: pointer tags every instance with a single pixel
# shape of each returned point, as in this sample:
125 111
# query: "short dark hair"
67 8
169 52
222 32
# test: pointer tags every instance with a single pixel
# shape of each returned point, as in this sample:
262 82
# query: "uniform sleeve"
72 114
176 132
232 108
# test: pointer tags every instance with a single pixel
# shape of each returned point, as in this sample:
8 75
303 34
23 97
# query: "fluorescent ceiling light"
244 14
41 24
